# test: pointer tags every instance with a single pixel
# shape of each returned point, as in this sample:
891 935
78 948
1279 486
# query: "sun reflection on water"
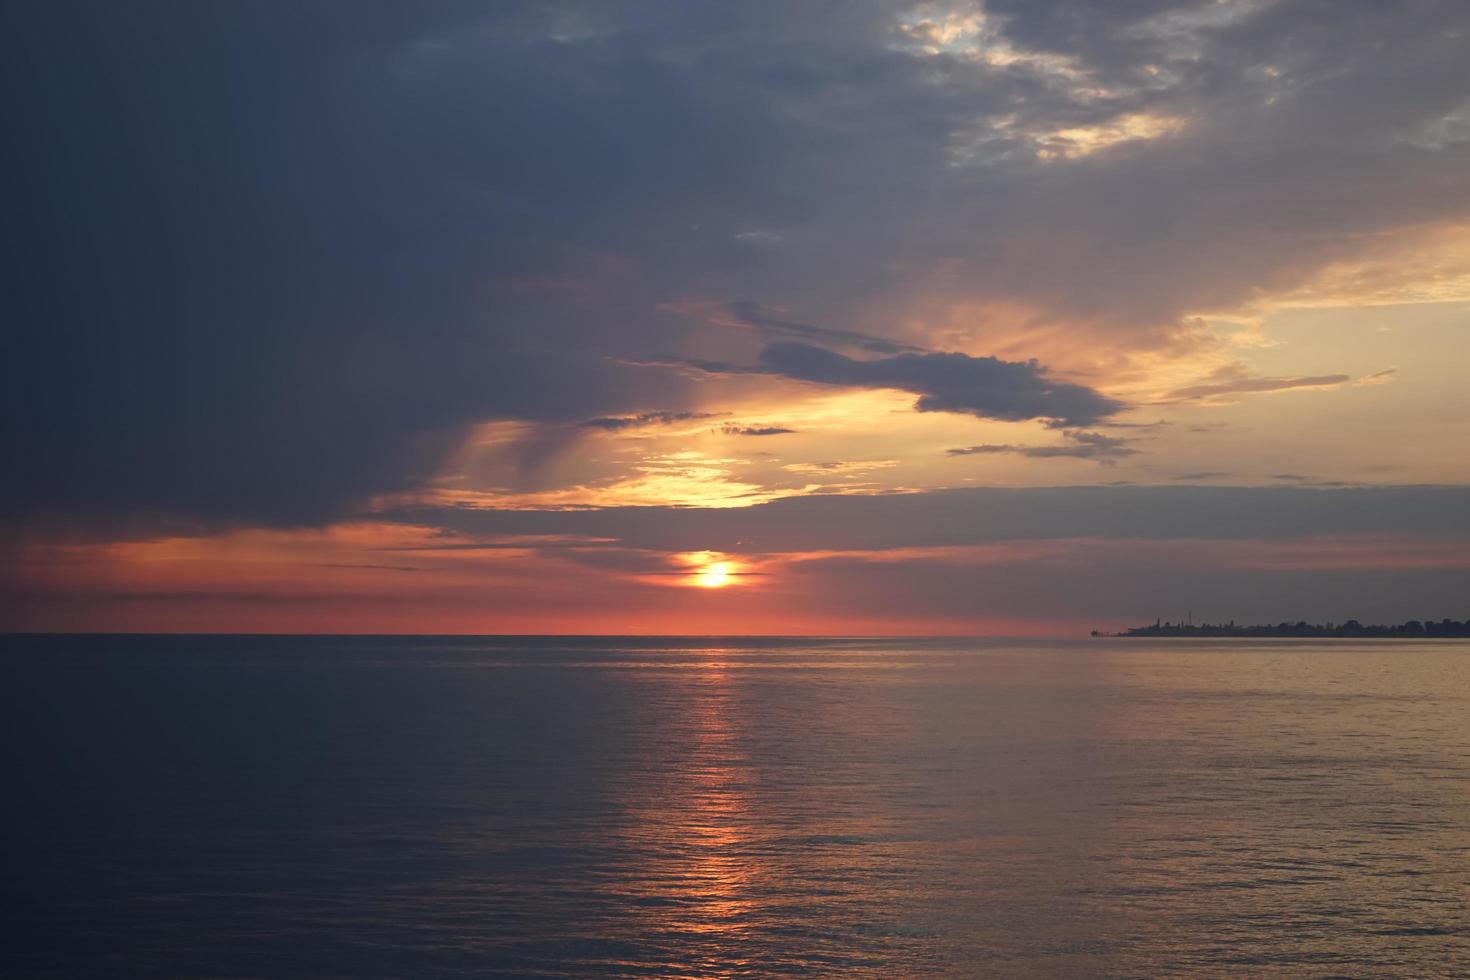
705 876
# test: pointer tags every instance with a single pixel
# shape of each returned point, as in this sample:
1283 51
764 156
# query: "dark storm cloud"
1080 445
265 262
243 278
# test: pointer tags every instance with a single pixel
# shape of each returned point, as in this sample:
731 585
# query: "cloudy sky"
1019 316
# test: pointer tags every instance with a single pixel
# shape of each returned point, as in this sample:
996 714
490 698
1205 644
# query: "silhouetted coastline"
1351 628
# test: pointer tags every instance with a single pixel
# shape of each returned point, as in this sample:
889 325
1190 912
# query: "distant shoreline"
1413 629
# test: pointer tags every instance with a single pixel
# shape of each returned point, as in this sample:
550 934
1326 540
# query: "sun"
715 575
709 570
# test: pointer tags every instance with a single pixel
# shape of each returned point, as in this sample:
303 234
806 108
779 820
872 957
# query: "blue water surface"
446 806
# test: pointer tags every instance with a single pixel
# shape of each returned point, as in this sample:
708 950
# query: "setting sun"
714 575
704 570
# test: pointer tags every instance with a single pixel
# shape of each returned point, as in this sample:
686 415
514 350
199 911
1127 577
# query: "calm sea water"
332 807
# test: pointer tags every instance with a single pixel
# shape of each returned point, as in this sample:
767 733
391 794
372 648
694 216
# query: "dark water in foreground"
436 807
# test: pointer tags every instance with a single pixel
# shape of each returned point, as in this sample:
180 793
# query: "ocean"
705 807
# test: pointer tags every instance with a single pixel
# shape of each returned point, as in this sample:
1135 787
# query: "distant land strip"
1351 628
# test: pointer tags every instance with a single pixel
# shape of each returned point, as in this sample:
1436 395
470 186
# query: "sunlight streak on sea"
325 807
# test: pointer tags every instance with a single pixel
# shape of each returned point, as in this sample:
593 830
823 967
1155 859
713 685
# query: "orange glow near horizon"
387 578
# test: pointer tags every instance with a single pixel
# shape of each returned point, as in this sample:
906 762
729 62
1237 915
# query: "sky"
1020 317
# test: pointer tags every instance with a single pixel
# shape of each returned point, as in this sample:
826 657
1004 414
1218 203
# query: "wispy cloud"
841 466
1302 480
750 316
1244 386
621 422
1095 446
735 429
1378 377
